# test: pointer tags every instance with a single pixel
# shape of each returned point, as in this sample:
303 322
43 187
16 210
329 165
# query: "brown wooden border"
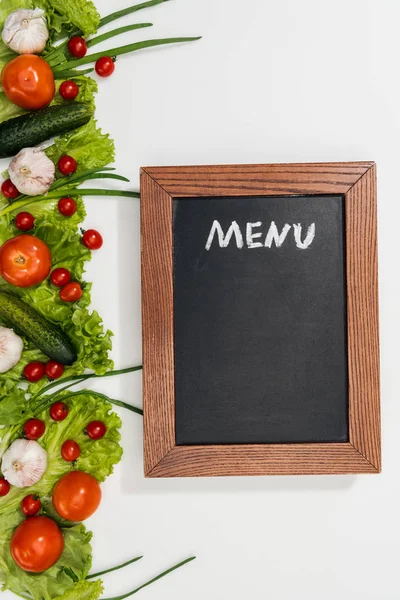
362 454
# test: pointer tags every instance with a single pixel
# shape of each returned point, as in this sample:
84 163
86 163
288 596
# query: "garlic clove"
32 172
25 31
11 346
24 463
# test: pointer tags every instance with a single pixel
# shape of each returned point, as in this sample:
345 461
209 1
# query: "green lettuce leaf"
84 590
80 13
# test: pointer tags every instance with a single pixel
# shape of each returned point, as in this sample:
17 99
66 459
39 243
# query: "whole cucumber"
45 335
38 126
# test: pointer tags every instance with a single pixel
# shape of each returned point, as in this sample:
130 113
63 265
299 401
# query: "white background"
271 81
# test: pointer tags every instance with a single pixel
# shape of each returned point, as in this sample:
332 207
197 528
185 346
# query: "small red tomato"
59 411
60 277
34 371
67 207
92 239
71 292
96 430
31 505
54 369
34 429
24 221
4 487
70 450
105 66
69 90
67 165
77 46
9 190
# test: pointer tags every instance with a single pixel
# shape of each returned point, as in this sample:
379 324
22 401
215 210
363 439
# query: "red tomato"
59 411
34 429
92 239
28 82
67 165
70 450
67 207
71 292
76 496
105 66
31 505
69 90
77 47
4 487
24 261
60 277
54 369
34 371
37 544
24 221
9 190
96 430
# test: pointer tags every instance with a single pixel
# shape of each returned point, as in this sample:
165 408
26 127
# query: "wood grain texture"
159 185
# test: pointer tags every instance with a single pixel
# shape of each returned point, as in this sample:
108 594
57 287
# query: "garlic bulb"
24 463
25 31
11 346
32 172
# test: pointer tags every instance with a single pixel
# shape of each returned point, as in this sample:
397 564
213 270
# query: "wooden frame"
357 182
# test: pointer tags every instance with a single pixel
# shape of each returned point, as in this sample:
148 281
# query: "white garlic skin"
24 463
11 346
32 172
25 31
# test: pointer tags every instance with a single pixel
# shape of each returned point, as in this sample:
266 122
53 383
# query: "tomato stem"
129 562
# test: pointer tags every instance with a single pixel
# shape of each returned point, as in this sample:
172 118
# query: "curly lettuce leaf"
80 13
84 590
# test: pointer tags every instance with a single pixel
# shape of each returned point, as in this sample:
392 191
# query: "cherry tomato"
9 190
24 261
4 487
67 165
37 544
54 369
34 429
24 221
67 207
76 496
31 505
34 371
69 90
77 47
59 411
70 450
71 292
28 82
92 239
60 277
96 430
105 66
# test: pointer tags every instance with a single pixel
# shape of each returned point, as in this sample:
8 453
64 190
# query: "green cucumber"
38 126
45 335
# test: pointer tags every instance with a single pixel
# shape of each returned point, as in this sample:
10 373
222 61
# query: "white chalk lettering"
309 237
224 240
274 236
250 236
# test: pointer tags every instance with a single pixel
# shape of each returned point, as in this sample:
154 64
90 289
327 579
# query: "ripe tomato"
69 90
37 544
31 505
24 261
60 277
71 292
34 429
67 165
4 487
67 207
105 66
96 430
24 221
34 371
76 496
70 450
28 82
92 239
59 411
54 369
9 190
77 47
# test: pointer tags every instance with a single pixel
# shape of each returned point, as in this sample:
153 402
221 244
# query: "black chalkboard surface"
260 320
